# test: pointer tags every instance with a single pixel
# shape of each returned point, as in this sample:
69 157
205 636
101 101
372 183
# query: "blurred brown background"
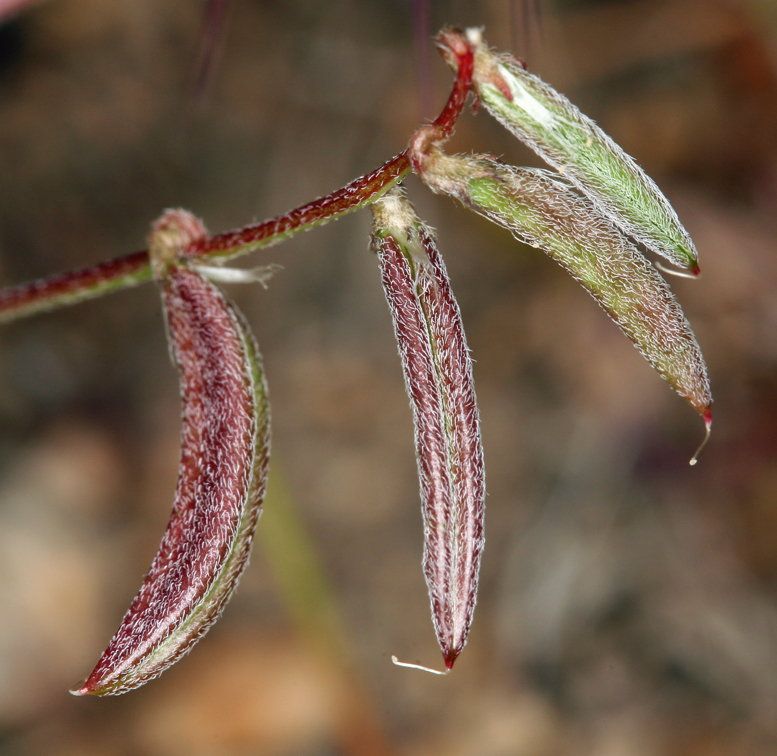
628 601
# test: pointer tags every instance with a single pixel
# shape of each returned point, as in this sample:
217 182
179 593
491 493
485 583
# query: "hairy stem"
131 270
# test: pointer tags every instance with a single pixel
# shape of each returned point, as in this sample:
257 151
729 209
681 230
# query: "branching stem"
131 270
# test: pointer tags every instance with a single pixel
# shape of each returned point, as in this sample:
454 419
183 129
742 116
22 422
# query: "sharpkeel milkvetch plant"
588 217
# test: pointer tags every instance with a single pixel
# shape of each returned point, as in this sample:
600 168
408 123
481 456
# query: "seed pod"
573 144
542 210
222 476
438 377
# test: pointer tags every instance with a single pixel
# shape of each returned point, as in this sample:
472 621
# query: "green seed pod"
573 144
542 210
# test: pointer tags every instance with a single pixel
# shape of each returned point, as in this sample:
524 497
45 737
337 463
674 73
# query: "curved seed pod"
438 377
222 476
573 144
541 209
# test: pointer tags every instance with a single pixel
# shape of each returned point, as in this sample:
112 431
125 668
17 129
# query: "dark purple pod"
222 476
438 376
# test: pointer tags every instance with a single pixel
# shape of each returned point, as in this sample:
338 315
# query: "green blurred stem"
297 570
312 606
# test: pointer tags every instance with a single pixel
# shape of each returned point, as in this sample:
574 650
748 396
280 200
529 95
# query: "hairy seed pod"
542 210
222 476
438 377
573 144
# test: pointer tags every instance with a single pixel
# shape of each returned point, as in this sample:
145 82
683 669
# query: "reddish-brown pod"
222 474
438 376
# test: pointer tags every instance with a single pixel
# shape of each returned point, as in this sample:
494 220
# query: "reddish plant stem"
75 286
358 193
131 270
457 52
451 44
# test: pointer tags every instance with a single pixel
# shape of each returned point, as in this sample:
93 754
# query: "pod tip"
450 656
80 688
707 416
694 271
422 668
